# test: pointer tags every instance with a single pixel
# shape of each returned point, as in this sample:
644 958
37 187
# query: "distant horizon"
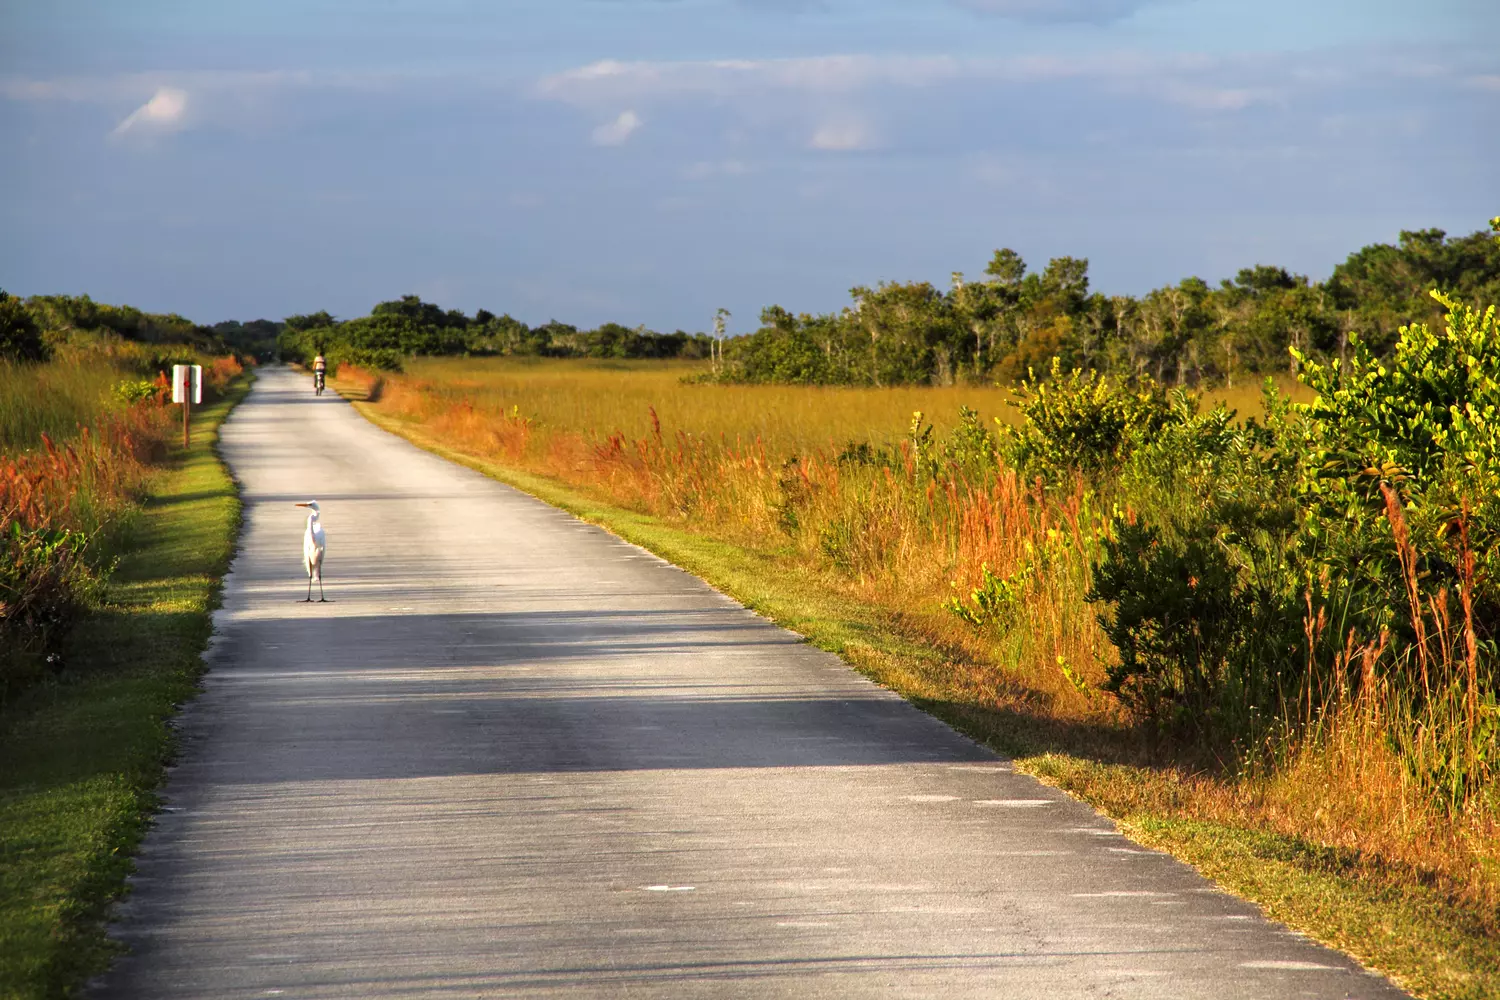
976 275
648 162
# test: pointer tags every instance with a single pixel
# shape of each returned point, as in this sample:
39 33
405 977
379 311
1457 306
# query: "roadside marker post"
187 389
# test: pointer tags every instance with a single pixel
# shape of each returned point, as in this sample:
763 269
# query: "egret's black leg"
308 599
321 598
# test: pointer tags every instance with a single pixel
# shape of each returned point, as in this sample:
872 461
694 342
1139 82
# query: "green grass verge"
1389 920
83 753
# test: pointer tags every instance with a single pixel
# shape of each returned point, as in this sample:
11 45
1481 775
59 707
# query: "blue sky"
647 161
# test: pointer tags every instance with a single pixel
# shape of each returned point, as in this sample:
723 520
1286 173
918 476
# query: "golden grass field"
1366 862
604 396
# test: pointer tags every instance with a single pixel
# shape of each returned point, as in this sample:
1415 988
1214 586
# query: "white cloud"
841 137
616 132
165 102
163 113
859 102
824 84
613 80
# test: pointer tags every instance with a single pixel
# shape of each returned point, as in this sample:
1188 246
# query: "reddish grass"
63 494
75 485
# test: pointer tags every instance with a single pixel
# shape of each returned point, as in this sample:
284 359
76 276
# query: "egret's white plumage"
314 544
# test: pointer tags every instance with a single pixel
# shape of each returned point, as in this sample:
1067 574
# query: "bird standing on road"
313 546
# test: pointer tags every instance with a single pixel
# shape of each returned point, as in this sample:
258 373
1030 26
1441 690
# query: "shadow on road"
413 695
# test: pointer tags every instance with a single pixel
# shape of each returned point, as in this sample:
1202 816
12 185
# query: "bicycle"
318 382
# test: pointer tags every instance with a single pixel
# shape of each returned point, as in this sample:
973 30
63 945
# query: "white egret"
314 543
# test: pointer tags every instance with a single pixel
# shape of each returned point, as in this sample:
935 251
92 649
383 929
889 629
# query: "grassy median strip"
1406 928
84 753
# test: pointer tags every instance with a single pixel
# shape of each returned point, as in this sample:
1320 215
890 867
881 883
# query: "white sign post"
187 389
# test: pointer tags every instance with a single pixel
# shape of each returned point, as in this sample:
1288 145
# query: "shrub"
858 454
136 391
995 603
1209 643
1255 559
1177 614
218 373
1426 421
20 336
1083 421
45 584
1204 597
381 359
971 446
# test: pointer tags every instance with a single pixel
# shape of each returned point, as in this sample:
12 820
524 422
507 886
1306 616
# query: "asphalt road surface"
516 756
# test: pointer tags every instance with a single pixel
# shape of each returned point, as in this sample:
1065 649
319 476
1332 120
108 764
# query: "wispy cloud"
1055 11
828 74
861 101
724 110
113 88
164 112
161 102
616 132
1179 79
812 91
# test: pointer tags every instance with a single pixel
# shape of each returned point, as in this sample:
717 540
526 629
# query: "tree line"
30 328
394 331
1012 321
998 327
408 326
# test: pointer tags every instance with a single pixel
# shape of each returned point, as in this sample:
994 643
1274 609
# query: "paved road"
519 757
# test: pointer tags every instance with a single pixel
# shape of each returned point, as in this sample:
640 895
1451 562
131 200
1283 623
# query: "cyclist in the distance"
320 372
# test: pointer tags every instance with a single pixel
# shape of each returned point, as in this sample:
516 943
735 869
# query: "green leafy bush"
380 359
1426 421
134 391
971 446
20 336
1081 421
1208 647
1254 554
1178 614
995 603
45 584
1203 599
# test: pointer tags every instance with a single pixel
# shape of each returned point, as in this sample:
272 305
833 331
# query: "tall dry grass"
75 444
54 399
600 397
771 467
80 438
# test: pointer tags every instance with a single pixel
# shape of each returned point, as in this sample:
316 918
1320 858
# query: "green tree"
913 333
20 336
